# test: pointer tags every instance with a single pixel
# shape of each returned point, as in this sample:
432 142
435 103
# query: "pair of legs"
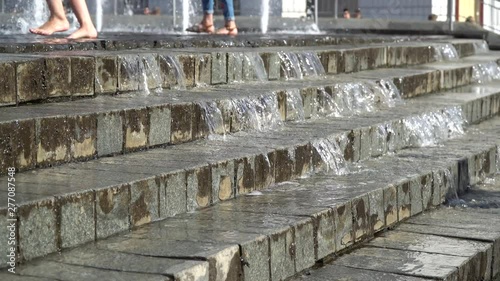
59 23
207 24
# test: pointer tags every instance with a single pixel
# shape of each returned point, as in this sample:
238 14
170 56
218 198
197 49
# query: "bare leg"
57 21
87 29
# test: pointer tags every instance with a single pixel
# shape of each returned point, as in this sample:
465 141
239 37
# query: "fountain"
98 14
445 52
264 20
485 72
185 15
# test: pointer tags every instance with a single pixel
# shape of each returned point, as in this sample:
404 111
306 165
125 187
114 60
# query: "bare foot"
228 30
84 32
51 26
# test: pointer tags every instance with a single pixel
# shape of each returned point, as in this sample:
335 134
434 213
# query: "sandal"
228 31
201 28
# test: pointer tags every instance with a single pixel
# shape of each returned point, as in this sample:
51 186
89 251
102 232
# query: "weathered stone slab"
106 78
109 133
30 75
136 126
128 73
160 125
83 144
175 194
333 272
478 266
53 140
83 73
181 122
8 83
417 264
203 70
112 210
18 145
144 202
77 218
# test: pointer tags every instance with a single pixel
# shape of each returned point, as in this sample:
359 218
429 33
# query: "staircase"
247 160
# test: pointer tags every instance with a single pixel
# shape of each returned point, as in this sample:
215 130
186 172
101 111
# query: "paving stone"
223 185
30 80
175 194
332 61
160 125
361 217
335 272
106 78
38 229
264 170
188 67
58 77
83 73
284 165
199 188
478 266
404 200
181 126
91 256
377 210
61 271
53 141
7 226
223 259
245 175
109 133
8 83
84 142
112 210
136 125
391 210
77 215
144 202
417 264
344 236
415 194
18 145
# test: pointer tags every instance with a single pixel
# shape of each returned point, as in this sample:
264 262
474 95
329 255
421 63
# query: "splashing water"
151 74
290 65
35 15
264 20
294 105
354 98
269 112
310 64
485 72
332 157
213 119
254 61
327 105
390 95
431 129
175 66
481 47
445 52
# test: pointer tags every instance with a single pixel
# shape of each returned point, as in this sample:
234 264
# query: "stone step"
444 244
109 125
74 75
110 195
276 233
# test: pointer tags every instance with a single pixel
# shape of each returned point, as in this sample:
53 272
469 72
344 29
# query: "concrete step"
276 233
110 195
73 75
443 244
109 125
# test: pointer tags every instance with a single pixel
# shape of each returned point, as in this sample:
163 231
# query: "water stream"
332 157
485 72
445 52
481 47
264 20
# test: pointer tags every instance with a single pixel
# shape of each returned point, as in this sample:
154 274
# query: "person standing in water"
58 22
207 23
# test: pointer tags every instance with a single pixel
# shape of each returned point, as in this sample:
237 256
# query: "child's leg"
87 29
57 21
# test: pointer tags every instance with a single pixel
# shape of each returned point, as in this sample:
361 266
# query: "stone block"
310 102
144 207
83 74
109 133
129 73
201 126
438 181
303 160
188 67
282 250
255 254
264 170
331 61
304 245
325 233
397 56
175 194
391 205
365 141
486 107
284 165
450 184
106 74
404 200
234 67
112 210
219 68
31 84
416 200
7 223
38 229
58 77
160 124
18 145
344 236
7 83
181 122
378 135
245 174
136 125
223 185
427 190
199 188
77 215
457 77
361 218
203 70
376 58
53 140
376 211
172 74
84 141
272 64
